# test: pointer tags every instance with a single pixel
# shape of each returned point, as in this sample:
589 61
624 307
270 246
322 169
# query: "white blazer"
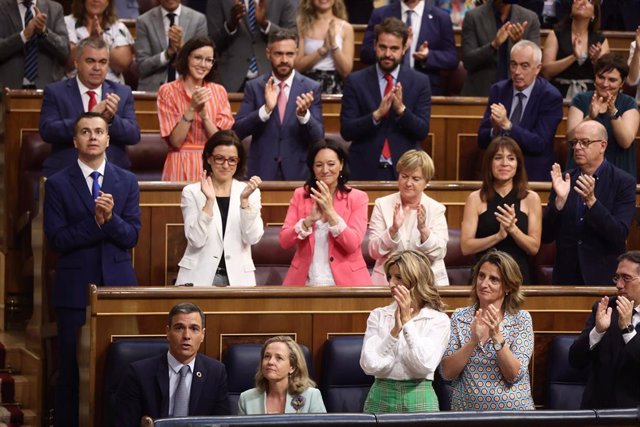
204 237
381 245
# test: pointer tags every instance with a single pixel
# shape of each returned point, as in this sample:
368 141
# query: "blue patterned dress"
481 386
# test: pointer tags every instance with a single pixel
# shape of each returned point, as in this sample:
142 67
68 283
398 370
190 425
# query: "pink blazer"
345 251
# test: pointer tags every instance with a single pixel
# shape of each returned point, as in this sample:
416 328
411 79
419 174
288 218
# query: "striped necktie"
31 48
253 26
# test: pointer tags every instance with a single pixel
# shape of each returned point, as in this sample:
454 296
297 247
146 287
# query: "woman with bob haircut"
409 219
283 385
504 214
221 218
491 341
405 340
191 110
326 222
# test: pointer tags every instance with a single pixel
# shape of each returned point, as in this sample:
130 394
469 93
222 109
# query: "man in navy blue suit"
431 46
152 387
527 108
63 102
385 107
91 220
281 111
589 212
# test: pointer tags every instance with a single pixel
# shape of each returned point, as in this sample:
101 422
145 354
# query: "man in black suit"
609 343
179 383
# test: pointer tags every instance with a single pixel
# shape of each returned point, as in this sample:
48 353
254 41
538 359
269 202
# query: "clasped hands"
585 187
485 325
199 99
322 206
239 11
509 30
107 107
104 208
404 311
38 25
391 99
624 306
499 118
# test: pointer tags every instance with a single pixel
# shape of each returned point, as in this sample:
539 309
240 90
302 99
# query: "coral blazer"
345 251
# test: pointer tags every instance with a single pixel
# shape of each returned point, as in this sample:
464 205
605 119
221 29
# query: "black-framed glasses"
219 160
624 277
584 143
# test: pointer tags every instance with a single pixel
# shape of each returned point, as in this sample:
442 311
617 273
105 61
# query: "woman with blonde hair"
404 341
283 385
491 341
409 219
326 43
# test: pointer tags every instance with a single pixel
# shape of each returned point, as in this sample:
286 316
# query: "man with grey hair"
525 107
589 212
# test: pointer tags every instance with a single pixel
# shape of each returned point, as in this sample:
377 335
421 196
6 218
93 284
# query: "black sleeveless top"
575 71
489 225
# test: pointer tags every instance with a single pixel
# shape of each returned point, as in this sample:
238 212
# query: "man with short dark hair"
91 220
281 111
385 107
179 383
609 344
589 211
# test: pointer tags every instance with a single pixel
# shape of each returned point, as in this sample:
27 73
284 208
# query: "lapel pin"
199 374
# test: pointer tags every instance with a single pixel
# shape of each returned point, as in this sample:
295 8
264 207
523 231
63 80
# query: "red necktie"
282 101
386 150
92 100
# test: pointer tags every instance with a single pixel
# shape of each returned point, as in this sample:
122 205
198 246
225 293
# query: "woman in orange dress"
191 109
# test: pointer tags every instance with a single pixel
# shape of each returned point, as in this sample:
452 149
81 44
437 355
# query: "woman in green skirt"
405 340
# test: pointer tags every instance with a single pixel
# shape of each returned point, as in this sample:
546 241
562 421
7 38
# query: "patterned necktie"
92 100
171 72
282 101
31 48
181 396
516 116
253 26
407 56
95 188
386 149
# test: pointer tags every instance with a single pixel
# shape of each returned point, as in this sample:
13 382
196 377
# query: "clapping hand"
303 102
479 329
252 185
603 315
104 208
560 185
206 186
270 95
585 187
506 216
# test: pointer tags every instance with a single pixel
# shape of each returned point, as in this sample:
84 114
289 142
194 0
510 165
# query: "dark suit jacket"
361 97
614 367
61 106
145 390
271 141
53 48
88 253
588 255
536 132
436 28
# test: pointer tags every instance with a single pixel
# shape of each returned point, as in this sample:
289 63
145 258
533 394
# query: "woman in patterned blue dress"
491 341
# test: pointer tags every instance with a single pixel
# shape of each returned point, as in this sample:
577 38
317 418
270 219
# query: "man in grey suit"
43 43
240 29
488 33
160 33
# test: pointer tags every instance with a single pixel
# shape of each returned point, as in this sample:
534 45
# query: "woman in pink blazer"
327 221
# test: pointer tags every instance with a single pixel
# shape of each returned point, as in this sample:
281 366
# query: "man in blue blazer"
527 108
589 212
152 387
65 100
382 124
91 220
282 125
432 46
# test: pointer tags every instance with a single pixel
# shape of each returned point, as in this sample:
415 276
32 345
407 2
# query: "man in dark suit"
42 43
431 47
179 383
610 344
240 29
65 100
488 33
91 220
527 108
160 33
281 111
385 107
589 212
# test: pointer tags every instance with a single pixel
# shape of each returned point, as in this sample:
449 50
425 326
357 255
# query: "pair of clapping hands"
585 187
486 324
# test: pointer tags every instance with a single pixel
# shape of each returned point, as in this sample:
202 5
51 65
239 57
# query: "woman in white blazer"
409 220
221 218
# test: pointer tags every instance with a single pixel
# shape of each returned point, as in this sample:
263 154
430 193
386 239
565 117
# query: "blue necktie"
31 48
516 116
181 396
171 72
95 188
253 26
407 56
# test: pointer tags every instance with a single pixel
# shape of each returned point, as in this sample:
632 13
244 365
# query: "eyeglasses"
201 59
219 160
584 143
624 277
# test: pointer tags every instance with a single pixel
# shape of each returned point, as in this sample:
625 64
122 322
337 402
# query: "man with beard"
281 111
385 107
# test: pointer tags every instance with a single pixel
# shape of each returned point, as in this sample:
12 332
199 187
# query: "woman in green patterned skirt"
405 340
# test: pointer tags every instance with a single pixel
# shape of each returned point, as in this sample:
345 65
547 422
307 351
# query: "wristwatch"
615 114
498 345
628 329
